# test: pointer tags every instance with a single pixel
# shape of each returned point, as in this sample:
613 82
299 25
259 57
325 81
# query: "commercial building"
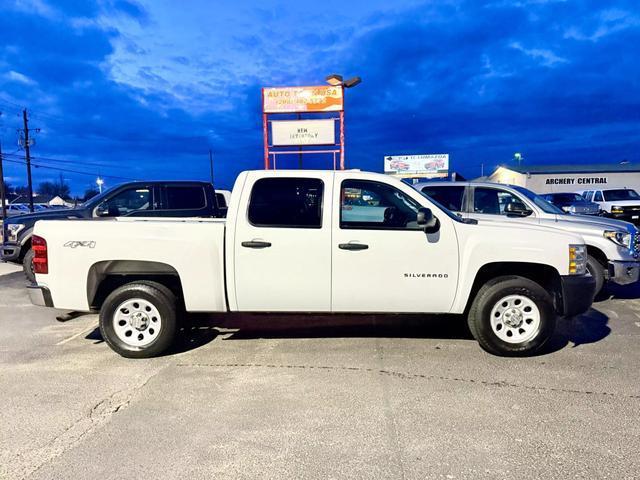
569 178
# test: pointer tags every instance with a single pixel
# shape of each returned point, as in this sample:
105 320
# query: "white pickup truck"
313 241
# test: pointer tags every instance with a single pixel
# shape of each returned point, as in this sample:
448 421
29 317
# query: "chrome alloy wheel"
137 322
515 319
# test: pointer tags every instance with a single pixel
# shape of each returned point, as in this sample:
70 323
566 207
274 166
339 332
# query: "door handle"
256 244
353 246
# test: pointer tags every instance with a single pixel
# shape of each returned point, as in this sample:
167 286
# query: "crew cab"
134 199
313 241
613 246
619 203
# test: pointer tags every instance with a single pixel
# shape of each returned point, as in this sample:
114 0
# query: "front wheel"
138 320
512 316
596 270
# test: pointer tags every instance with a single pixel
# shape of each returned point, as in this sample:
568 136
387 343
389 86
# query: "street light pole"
337 81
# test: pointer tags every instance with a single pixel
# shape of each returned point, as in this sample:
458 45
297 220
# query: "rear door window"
185 197
448 196
286 203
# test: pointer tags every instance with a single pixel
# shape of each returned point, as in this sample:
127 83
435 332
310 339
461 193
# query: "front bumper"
624 273
626 217
10 252
40 296
577 292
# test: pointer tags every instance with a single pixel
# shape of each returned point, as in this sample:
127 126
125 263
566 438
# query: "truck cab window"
286 203
598 196
125 202
185 197
373 205
448 196
493 201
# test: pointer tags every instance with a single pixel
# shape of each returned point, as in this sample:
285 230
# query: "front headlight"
13 229
577 259
618 237
615 209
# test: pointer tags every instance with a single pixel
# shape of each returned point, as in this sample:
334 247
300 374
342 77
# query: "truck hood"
48 215
586 223
624 203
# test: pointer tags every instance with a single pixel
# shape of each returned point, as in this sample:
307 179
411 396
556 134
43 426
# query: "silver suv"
613 246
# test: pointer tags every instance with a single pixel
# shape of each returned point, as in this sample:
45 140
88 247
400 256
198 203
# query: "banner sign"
435 165
302 99
303 132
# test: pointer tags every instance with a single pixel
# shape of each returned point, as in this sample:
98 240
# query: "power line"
22 162
59 160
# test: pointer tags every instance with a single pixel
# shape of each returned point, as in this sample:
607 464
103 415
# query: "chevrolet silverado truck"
148 199
313 241
613 246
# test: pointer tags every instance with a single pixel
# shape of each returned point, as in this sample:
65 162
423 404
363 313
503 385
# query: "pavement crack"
26 463
418 376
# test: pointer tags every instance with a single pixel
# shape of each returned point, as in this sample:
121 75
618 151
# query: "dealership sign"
436 165
303 132
302 99
576 181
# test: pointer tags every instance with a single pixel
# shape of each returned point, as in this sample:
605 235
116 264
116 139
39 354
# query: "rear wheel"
27 266
512 316
138 320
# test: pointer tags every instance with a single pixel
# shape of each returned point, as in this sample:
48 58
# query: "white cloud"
545 56
14 76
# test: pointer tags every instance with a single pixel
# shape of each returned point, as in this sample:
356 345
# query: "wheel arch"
544 275
105 276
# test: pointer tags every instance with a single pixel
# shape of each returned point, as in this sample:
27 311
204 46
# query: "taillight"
40 257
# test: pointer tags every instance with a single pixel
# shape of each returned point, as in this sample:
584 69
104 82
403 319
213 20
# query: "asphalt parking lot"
317 397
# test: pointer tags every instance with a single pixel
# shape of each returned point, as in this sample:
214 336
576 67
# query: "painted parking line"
76 335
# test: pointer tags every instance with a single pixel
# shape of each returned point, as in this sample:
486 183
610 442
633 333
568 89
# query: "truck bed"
194 250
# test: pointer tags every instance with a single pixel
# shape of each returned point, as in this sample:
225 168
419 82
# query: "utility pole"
3 194
27 155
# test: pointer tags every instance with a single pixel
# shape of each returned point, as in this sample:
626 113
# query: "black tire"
161 298
27 266
596 269
489 295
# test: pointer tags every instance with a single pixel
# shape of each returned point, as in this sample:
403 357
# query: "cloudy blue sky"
142 88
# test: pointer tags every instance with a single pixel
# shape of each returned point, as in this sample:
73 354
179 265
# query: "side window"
598 196
493 201
286 203
222 202
448 197
588 195
181 197
125 202
373 205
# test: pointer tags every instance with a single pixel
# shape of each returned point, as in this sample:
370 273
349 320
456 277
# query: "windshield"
539 201
621 194
566 197
93 201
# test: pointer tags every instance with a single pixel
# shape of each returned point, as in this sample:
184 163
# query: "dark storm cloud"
554 80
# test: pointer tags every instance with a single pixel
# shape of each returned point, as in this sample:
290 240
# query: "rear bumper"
10 252
40 296
577 294
624 273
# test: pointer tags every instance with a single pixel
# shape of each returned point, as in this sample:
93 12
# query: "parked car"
613 246
15 209
620 203
571 202
287 246
140 199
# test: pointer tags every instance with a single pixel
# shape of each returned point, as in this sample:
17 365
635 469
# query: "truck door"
491 203
282 244
382 259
